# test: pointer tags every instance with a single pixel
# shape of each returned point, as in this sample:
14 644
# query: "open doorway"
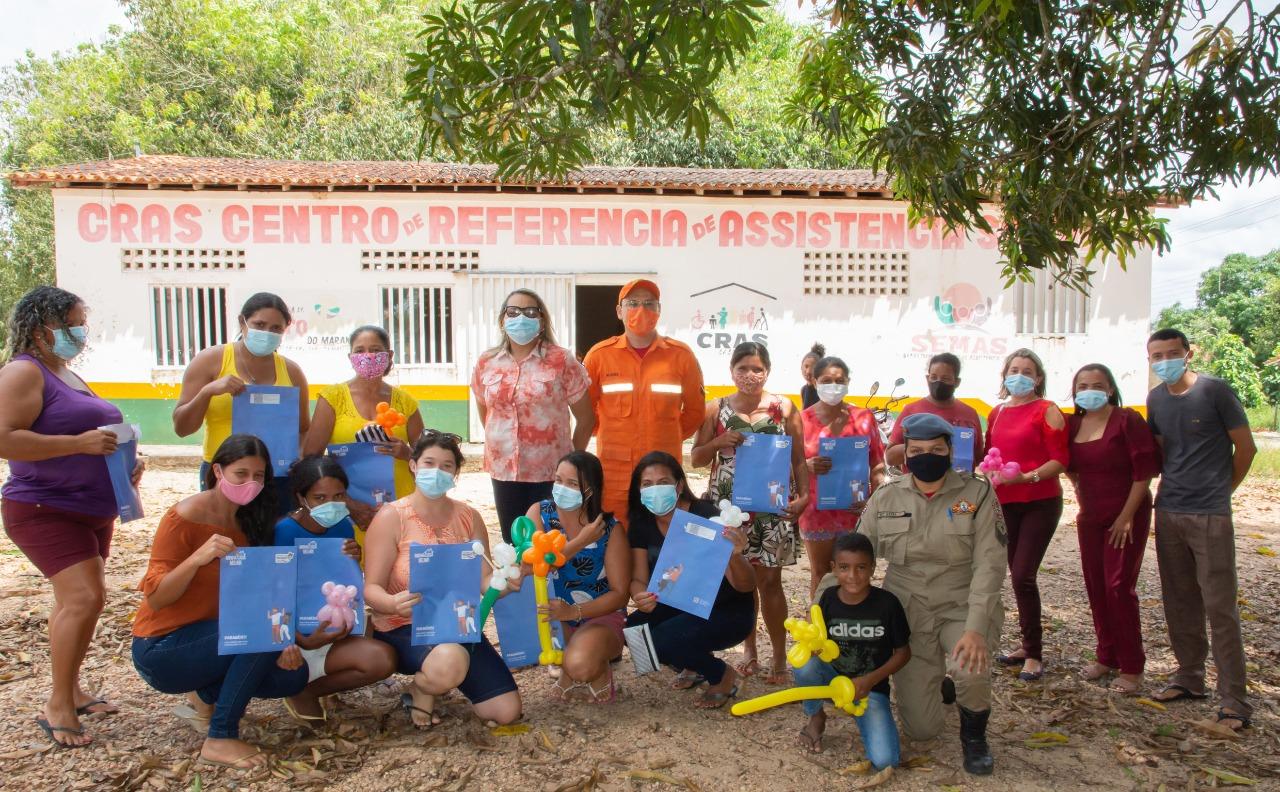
595 317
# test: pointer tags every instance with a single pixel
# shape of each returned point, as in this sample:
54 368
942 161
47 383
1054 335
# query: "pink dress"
824 525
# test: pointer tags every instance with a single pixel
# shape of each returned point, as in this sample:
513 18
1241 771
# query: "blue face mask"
521 329
68 342
1019 384
330 513
1169 371
433 482
566 498
261 343
1091 399
659 498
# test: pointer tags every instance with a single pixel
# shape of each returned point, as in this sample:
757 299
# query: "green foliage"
1074 117
1237 289
1270 377
1231 360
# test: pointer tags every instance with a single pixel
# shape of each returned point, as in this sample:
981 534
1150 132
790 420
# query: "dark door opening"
595 316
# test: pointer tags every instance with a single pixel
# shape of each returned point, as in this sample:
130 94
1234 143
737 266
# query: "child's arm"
893 665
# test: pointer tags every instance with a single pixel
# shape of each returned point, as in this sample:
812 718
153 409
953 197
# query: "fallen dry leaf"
1228 778
1214 729
875 780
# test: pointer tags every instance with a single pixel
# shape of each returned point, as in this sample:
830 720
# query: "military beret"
925 426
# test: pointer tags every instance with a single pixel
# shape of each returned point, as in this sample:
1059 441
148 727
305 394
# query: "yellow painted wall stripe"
169 391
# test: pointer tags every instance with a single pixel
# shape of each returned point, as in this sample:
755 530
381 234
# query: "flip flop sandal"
49 729
1031 676
711 700
779 678
237 764
87 709
188 715
1097 671
685 681
742 668
433 715
1007 660
1182 693
306 720
1245 720
1125 688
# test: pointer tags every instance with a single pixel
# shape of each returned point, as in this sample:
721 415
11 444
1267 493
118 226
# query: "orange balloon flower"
546 552
388 418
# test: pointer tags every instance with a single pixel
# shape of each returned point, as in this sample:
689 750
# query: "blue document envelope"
691 565
448 578
962 449
120 465
330 586
257 600
270 413
516 616
372 475
762 473
849 480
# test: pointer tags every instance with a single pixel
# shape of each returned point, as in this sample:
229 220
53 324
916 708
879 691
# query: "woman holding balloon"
429 516
591 587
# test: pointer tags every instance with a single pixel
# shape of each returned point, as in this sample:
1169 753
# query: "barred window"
419 320
860 273
185 320
1046 307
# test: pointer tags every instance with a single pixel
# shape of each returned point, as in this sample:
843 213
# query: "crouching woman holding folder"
682 640
429 516
175 634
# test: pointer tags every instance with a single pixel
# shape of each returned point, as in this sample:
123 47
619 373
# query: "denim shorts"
487 677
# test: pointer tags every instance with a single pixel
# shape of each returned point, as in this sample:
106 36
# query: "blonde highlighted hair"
546 334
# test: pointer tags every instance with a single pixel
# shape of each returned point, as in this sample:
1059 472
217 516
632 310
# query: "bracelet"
579 606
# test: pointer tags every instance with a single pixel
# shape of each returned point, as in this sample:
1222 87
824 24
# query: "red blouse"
1024 436
1107 467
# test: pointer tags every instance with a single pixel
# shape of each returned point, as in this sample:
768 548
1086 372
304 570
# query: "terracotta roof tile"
221 172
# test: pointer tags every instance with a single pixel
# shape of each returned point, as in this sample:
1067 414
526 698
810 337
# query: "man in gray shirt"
1204 433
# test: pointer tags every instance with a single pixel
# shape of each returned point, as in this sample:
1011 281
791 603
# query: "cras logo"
733 314
962 305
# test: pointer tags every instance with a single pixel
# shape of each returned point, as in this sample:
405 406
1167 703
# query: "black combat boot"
973 739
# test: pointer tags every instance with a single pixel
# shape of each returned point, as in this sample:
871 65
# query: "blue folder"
120 465
516 616
270 413
962 449
849 480
762 473
448 578
691 564
257 600
372 475
322 563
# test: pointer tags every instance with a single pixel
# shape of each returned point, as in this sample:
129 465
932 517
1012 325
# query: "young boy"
870 627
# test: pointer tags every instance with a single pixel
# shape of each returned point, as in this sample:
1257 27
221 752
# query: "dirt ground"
653 739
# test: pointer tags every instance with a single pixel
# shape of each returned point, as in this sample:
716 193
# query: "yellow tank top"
217 419
347 421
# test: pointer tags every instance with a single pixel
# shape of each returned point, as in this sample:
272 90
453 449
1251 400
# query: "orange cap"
639 283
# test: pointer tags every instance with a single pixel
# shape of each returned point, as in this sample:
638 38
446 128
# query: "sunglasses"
445 437
512 311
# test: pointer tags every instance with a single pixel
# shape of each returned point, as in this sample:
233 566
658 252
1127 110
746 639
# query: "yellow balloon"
778 698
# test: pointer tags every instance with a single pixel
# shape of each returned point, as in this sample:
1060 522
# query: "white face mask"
832 393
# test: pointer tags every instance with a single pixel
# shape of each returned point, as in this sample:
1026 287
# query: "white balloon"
498 583
504 554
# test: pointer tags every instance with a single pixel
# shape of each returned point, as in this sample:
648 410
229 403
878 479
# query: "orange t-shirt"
176 539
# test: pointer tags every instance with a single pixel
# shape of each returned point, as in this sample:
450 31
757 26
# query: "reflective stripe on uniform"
617 387
659 387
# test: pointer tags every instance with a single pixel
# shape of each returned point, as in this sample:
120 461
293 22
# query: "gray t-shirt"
1197 449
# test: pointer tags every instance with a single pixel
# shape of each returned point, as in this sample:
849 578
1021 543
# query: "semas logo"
856 629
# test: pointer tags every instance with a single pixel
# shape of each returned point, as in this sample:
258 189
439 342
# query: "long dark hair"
43 305
636 509
1114 401
304 474
257 518
590 476
748 349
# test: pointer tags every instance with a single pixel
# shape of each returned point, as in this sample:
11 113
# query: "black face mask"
942 391
929 467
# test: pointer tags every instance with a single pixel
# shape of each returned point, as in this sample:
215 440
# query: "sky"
1241 219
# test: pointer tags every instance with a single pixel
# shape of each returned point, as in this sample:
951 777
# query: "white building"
165 249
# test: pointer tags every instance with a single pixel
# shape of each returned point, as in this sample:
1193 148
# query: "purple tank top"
77 483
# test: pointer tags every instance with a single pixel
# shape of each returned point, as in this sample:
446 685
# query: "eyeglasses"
512 311
447 437
648 305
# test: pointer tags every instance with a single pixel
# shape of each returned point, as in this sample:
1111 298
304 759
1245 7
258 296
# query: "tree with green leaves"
1074 117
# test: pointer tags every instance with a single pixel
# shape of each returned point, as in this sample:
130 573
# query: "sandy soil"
653 738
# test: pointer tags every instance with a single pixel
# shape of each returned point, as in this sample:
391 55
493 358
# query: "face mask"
566 498
749 383
942 391
67 342
1019 384
659 499
370 365
832 393
239 494
521 329
929 467
330 513
433 482
1091 399
1169 371
261 343
641 321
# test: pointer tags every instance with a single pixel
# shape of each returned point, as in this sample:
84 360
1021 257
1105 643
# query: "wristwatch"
1035 476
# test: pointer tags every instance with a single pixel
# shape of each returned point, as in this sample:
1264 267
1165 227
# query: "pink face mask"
370 365
749 383
239 494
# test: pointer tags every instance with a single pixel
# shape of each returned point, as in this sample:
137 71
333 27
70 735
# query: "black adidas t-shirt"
867 633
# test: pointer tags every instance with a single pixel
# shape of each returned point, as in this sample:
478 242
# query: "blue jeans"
876 725
187 660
